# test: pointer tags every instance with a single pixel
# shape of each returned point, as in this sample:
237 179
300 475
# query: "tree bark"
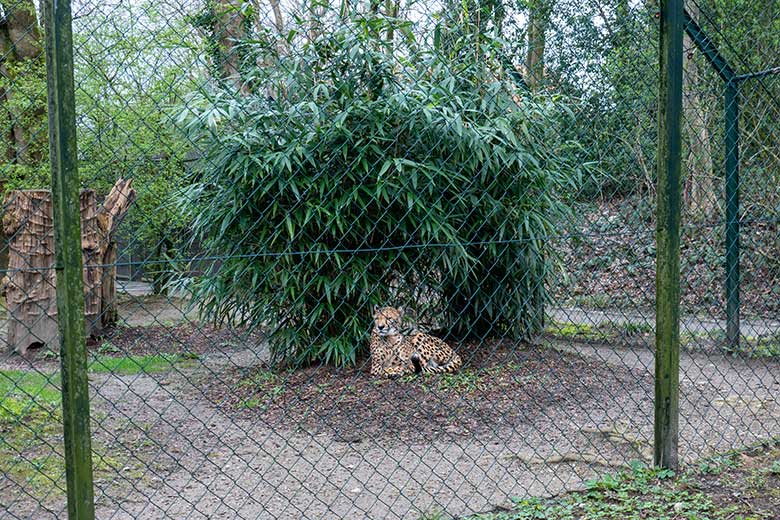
30 285
317 10
22 55
282 48
392 8
114 207
278 19
538 21
229 28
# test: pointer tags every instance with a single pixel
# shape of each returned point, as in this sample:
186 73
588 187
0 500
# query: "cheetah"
396 351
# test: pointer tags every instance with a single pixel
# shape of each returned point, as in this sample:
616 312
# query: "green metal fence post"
67 240
731 80
732 214
667 357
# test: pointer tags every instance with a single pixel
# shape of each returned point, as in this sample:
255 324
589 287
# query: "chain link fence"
310 203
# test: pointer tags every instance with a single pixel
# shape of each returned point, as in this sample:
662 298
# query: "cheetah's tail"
449 367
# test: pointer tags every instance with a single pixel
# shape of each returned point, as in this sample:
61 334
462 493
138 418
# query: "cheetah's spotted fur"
396 351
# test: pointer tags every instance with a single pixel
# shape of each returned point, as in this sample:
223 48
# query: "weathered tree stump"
30 285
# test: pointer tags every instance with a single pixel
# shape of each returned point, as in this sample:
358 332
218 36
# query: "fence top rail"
759 74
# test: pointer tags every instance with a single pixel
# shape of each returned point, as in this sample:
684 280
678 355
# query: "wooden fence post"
67 244
667 332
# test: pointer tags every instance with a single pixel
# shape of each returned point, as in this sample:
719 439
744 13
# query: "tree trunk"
699 183
282 45
538 20
281 42
108 311
3 248
392 8
108 216
6 117
30 286
229 28
22 57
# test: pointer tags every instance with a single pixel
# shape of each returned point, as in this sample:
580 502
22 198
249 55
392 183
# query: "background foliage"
525 79
361 174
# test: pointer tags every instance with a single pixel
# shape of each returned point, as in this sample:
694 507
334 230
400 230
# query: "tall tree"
23 134
225 25
538 21
22 86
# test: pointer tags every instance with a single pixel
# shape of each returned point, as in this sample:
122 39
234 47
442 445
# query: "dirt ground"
501 385
745 478
738 484
222 437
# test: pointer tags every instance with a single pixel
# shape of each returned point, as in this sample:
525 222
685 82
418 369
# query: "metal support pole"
732 215
667 336
67 242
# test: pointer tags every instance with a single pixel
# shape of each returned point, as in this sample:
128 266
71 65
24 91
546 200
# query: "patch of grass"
635 494
760 347
757 347
129 365
37 388
704 493
253 402
31 435
574 330
592 301
108 348
463 381
259 378
30 415
718 464
268 384
630 328
756 481
601 332
692 340
50 354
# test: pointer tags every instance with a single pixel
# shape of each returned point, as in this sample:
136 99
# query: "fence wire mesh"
291 209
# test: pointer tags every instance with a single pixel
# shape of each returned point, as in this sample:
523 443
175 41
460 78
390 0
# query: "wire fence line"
330 199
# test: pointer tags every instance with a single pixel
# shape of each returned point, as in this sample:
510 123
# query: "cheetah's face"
387 321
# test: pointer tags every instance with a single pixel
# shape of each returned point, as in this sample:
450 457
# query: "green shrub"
350 169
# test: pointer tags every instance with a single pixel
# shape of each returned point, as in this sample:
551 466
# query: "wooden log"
108 311
91 244
29 287
114 207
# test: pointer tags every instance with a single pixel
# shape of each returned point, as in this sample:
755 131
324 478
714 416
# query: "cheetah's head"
387 321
